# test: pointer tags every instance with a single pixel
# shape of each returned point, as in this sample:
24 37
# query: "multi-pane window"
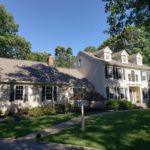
143 75
48 93
145 93
108 72
133 77
124 58
115 92
78 91
19 93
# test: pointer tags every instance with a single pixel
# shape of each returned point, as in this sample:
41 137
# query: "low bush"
112 105
148 103
119 104
63 108
125 105
0 111
36 112
23 111
48 110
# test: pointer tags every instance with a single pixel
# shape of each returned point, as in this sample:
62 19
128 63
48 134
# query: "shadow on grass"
116 131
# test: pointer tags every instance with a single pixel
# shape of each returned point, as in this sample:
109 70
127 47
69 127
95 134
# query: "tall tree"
11 44
63 57
132 40
123 13
37 56
90 49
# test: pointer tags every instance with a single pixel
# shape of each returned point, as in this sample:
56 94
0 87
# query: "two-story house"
116 75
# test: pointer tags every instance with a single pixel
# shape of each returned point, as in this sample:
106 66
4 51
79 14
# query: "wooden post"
82 116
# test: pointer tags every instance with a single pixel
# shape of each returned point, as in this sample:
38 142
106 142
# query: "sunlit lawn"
115 131
11 128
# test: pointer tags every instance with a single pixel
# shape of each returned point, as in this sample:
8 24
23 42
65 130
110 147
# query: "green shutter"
43 93
26 93
12 93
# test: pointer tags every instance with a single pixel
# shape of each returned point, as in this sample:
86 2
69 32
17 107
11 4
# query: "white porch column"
141 95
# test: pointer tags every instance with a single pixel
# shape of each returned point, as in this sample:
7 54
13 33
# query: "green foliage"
119 104
132 40
0 111
36 112
23 111
63 57
123 13
90 49
148 103
11 44
112 105
63 108
48 110
125 105
37 56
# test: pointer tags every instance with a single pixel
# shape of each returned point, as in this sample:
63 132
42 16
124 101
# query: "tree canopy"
37 56
11 44
132 40
63 57
124 13
91 49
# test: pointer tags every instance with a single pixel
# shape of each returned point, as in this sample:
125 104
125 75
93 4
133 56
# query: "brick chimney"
50 60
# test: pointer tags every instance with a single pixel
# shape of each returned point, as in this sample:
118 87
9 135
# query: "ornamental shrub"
48 110
36 112
148 103
112 105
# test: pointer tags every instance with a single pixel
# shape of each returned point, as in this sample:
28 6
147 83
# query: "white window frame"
51 93
15 92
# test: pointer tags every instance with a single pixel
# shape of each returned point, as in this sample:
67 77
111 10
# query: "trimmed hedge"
119 105
112 105
148 103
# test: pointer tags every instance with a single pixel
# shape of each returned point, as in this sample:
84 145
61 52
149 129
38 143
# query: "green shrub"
112 105
125 105
36 112
66 108
148 103
23 111
48 110
63 108
0 111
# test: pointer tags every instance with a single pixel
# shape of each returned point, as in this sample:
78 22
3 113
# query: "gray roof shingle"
12 70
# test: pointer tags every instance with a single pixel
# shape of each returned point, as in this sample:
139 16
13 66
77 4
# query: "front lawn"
115 131
11 128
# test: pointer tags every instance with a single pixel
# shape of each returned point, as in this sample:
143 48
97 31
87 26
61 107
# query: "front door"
132 94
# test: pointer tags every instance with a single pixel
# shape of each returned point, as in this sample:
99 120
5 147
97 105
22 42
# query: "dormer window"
124 58
121 56
139 60
107 55
104 53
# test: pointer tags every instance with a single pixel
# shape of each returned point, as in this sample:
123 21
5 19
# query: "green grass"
115 131
10 128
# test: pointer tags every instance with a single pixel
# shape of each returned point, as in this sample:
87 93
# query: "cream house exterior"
30 84
116 75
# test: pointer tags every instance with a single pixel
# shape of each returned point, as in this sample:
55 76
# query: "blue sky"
49 23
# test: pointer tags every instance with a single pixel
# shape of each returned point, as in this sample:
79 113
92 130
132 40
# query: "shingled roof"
117 63
22 71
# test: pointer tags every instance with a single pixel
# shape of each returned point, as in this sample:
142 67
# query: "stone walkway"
28 142
54 129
